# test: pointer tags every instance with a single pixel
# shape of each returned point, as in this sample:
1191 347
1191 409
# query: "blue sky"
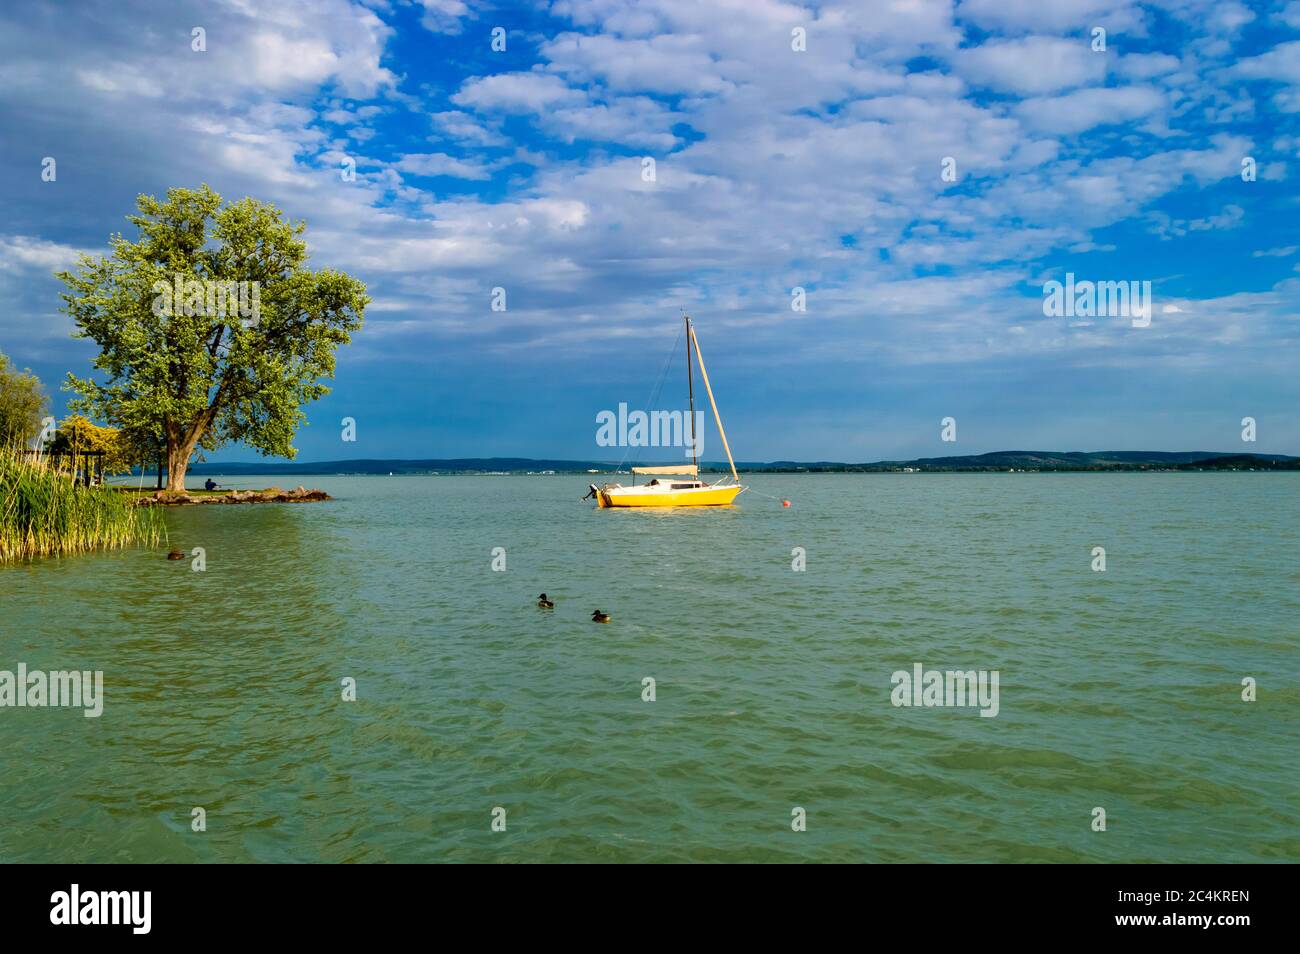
774 168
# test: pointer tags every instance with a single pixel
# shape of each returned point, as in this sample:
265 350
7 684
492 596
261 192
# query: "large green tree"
211 328
23 403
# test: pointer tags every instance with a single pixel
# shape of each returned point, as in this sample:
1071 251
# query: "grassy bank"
44 512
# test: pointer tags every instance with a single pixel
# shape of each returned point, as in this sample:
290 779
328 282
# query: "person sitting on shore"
209 484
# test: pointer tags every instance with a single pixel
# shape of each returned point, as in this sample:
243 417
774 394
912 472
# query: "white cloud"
444 16
517 93
441 164
1085 109
1031 65
121 78
632 121
1282 63
1145 66
1073 15
463 127
661 64
27 251
1232 216
291 47
1229 16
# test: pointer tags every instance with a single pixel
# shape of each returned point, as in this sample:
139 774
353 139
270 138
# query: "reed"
44 512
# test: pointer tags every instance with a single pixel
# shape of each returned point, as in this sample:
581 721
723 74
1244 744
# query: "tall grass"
44 511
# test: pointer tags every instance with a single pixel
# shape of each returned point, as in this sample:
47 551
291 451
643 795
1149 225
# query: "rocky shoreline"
163 498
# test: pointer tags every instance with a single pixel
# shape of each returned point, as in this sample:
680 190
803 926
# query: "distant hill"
996 461
457 465
1053 461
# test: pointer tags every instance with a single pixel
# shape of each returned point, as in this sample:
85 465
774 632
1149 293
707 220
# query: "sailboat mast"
690 387
716 416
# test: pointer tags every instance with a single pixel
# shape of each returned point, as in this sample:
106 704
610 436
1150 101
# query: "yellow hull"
708 497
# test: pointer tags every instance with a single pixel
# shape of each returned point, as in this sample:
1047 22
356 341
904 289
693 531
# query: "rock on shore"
163 498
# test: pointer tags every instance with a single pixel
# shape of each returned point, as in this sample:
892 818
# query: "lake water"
1119 689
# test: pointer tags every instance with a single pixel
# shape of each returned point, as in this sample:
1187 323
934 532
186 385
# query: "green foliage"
44 511
76 434
186 373
23 403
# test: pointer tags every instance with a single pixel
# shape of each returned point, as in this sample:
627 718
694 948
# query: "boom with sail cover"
690 469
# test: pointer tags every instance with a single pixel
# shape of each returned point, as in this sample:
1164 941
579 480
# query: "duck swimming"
544 603
598 617
176 555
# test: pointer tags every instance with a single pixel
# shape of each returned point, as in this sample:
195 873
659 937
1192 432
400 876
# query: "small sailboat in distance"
691 491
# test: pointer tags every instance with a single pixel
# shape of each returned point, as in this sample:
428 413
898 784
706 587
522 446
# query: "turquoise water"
1119 689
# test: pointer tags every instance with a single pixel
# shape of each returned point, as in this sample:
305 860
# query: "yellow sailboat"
690 491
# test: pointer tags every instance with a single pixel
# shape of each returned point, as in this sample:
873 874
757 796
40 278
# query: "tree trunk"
180 448
178 462
182 439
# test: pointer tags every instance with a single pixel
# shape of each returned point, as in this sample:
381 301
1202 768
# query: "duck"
544 603
176 555
598 617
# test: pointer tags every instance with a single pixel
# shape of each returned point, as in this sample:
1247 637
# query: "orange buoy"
785 503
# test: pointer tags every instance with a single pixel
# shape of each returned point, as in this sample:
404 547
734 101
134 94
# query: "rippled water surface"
1119 689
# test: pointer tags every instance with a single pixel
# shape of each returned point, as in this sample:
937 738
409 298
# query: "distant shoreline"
996 462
